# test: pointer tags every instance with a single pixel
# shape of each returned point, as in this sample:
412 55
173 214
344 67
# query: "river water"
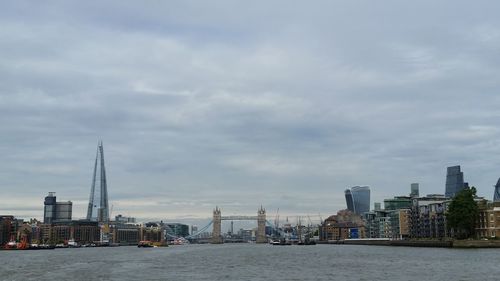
252 262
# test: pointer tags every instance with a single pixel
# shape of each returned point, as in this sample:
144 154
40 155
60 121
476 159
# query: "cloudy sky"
243 103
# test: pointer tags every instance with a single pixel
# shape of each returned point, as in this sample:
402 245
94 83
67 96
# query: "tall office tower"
377 206
348 200
358 199
496 195
98 201
414 190
49 209
56 211
454 181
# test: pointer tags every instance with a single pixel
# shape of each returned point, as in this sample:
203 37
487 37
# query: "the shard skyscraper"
98 209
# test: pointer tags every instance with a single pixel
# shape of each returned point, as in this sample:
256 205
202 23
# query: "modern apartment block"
398 202
427 217
394 224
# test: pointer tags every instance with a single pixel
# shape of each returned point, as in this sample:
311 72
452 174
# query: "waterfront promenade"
418 243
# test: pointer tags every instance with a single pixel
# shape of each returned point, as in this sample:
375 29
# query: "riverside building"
394 220
428 216
344 225
488 223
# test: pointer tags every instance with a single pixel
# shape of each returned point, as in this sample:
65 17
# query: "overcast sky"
243 103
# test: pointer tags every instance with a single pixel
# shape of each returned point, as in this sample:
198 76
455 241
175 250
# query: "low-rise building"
344 225
7 229
125 233
124 219
80 231
153 232
488 223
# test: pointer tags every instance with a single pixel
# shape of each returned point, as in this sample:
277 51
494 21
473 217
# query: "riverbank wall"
476 244
419 243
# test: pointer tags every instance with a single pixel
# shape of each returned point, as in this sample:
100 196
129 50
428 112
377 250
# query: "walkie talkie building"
358 199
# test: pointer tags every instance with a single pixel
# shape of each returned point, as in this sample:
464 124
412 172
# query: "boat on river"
145 244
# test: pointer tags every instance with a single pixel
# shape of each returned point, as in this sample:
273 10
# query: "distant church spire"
98 202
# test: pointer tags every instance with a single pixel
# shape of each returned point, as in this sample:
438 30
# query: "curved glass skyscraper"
358 199
496 195
348 200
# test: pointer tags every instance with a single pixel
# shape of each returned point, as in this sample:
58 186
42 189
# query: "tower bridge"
216 224
218 218
239 218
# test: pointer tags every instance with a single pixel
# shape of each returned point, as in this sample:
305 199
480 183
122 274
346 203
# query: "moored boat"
145 244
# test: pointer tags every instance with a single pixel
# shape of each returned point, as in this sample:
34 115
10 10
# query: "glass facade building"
454 181
414 190
56 211
496 195
358 199
398 202
348 200
178 229
49 209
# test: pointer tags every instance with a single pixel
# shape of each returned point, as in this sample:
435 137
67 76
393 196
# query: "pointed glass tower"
98 202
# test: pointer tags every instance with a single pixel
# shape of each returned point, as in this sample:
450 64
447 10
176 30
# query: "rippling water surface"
252 262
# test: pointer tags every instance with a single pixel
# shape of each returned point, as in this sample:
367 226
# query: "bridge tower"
216 233
261 226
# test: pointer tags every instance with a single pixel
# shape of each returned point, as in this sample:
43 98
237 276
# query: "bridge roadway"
238 218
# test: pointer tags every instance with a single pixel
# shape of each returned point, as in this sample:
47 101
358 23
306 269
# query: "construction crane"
310 221
111 211
277 221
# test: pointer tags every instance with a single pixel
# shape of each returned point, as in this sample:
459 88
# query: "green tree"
462 214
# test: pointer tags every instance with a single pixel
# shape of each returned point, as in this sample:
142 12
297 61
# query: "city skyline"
238 106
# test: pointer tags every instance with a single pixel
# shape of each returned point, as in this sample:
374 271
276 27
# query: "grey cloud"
237 104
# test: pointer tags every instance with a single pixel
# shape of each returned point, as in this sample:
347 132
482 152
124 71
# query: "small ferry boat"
145 244
180 241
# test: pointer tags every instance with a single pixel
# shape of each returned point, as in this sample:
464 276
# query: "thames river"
252 262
